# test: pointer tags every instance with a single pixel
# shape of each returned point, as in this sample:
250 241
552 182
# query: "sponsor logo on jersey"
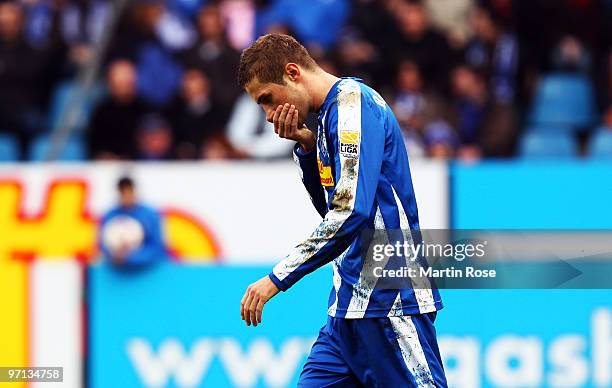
325 174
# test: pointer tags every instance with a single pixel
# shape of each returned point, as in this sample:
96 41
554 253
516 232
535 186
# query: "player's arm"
357 135
257 294
309 172
352 200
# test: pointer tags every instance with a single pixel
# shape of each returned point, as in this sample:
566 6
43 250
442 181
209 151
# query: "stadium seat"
566 100
9 148
547 145
600 145
548 128
74 149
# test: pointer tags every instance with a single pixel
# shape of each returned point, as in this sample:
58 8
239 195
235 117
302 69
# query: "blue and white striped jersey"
358 178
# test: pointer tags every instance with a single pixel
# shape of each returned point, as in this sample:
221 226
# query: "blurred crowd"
461 75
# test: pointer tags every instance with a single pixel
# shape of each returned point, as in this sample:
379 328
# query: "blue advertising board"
179 326
534 195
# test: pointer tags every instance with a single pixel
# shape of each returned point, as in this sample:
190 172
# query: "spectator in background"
441 140
318 23
22 70
240 16
369 34
213 54
111 132
43 30
494 53
194 115
138 38
468 110
131 233
414 106
412 138
484 126
359 57
419 42
452 17
174 27
154 139
570 55
68 29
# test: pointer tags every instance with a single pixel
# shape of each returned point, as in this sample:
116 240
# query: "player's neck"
321 83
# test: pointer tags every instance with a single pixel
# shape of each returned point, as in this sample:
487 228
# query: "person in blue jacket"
132 218
355 168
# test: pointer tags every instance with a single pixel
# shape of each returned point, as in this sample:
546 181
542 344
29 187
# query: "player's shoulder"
354 98
353 91
369 98
348 87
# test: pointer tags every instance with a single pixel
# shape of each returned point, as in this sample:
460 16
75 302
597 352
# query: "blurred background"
468 79
141 191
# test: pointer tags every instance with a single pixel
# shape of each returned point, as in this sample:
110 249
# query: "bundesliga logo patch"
349 150
349 143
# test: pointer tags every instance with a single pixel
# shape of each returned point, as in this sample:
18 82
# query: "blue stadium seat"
548 128
9 148
74 149
547 145
600 145
564 99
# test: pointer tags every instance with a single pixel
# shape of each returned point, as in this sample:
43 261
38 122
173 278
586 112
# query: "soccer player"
355 168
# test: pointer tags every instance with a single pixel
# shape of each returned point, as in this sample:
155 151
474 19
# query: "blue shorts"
375 352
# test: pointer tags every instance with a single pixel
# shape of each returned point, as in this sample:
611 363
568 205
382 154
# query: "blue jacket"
358 179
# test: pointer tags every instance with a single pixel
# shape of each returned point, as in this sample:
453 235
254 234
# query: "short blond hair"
267 57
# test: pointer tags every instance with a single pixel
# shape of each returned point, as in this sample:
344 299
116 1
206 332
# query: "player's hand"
285 121
256 295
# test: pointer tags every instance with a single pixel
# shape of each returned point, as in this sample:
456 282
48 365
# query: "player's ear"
292 71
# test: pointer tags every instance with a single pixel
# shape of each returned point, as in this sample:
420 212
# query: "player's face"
270 95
